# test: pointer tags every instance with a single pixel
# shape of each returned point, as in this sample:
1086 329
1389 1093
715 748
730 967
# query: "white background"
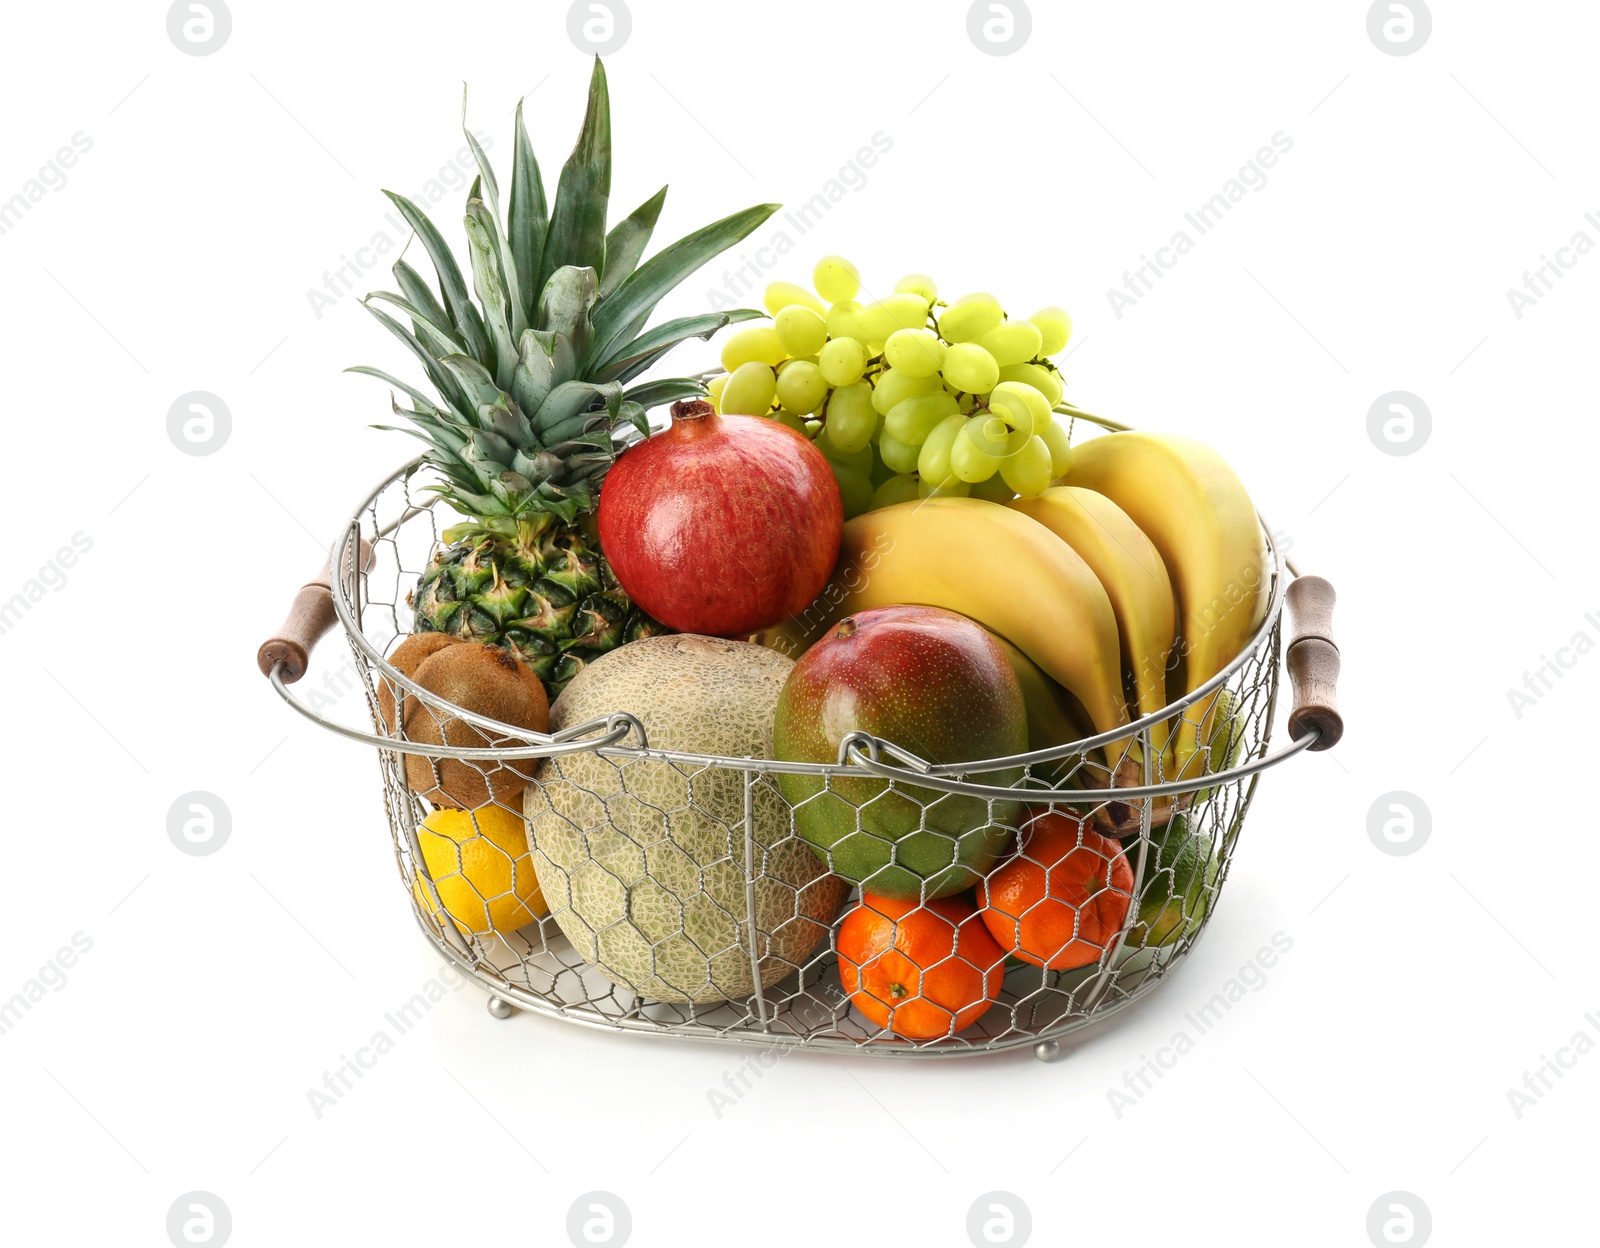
219 989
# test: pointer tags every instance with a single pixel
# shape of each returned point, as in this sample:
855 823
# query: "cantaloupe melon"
643 862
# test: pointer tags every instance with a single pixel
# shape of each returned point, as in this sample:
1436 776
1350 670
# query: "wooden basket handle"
310 618
1313 661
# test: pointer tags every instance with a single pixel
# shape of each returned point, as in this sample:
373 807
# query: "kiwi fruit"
407 657
486 680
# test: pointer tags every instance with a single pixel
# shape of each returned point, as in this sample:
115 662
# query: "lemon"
479 862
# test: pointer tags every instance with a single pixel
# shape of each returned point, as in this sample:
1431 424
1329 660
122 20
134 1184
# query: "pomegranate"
721 525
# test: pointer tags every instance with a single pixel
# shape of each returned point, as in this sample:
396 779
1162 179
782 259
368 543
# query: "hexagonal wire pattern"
624 811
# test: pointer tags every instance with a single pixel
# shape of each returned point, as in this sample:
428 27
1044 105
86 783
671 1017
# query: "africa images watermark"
50 578
739 282
52 176
52 976
337 683
1539 282
1248 590
1252 176
813 1012
1251 977
1542 679
794 636
343 1077
341 281
1541 1079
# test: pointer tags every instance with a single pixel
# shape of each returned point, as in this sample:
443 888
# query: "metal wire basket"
753 920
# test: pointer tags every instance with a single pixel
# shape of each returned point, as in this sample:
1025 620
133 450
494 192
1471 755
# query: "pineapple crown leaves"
531 369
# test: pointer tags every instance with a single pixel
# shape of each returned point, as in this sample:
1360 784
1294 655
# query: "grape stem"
1105 422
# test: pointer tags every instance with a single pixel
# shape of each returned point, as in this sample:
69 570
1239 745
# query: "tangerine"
1063 898
923 971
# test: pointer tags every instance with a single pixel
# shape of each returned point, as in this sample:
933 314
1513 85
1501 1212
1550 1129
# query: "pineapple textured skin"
545 591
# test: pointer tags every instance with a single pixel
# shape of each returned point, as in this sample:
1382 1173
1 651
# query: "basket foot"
1047 1050
499 1008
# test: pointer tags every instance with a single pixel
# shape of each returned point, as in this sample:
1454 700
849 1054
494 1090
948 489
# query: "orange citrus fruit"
922 971
1063 898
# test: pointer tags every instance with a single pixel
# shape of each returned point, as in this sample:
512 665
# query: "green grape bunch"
907 396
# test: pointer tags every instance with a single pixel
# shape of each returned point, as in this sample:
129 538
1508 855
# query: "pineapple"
532 393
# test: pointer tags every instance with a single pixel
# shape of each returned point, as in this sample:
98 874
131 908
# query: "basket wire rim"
619 725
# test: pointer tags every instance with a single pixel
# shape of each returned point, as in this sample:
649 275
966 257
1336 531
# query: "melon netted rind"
643 862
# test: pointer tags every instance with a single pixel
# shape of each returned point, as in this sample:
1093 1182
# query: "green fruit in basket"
1042 379
880 320
801 331
1022 405
749 391
1225 738
836 279
782 295
855 489
918 284
968 461
643 862
851 420
933 459
859 459
1180 873
794 420
532 392
756 343
842 361
1013 342
894 387
801 387
881 471
994 490
970 369
844 321
1028 471
1055 437
932 682
915 352
970 318
1055 328
900 488
900 456
912 421
948 488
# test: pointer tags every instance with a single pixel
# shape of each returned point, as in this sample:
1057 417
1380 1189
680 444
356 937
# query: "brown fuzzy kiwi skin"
409 655
487 680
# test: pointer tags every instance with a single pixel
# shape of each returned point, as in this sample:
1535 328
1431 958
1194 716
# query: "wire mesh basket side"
738 942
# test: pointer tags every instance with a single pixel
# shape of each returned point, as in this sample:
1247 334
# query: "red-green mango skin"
935 683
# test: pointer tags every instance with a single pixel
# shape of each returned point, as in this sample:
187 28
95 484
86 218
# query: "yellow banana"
1009 573
1129 566
1055 717
1193 507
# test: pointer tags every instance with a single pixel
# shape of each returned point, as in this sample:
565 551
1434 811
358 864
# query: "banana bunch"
1148 559
1194 509
1133 574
